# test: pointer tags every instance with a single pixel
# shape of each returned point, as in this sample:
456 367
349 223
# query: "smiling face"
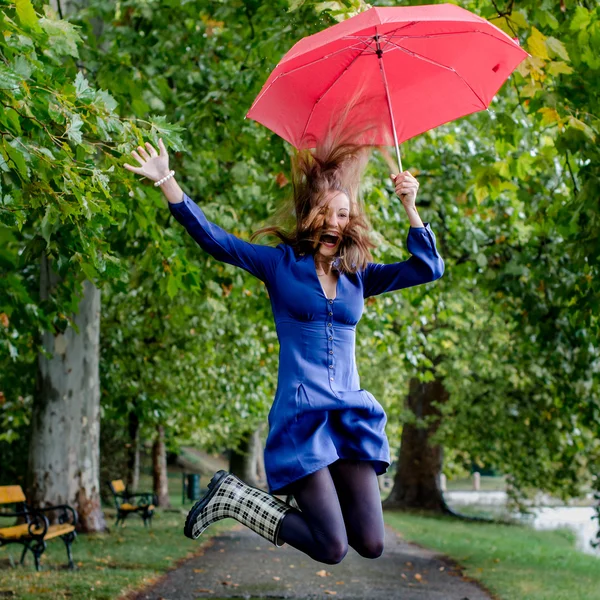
337 216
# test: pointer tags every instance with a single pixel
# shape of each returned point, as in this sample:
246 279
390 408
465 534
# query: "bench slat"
10 494
22 531
126 506
118 486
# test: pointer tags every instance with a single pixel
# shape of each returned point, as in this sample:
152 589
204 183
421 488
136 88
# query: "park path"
240 564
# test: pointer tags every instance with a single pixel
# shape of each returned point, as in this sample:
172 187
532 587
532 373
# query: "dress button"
329 325
330 337
330 313
331 302
331 379
331 352
331 366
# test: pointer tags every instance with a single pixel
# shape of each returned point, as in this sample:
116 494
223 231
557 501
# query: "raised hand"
153 165
406 188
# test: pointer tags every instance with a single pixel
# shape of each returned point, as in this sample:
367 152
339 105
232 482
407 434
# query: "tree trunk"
159 468
261 474
243 462
133 452
417 480
64 449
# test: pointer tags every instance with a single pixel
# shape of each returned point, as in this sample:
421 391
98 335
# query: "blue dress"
320 412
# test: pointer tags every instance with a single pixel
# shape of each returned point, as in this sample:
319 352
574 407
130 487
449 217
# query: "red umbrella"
417 67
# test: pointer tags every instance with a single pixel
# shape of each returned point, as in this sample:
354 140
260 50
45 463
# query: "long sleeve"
423 266
259 260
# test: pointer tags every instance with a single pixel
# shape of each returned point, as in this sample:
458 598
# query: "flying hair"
335 163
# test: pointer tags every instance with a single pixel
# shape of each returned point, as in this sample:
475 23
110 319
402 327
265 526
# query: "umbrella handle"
379 53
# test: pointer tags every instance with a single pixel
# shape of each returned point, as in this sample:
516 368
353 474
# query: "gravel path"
240 564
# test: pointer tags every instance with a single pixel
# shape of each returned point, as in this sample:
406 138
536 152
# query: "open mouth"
329 240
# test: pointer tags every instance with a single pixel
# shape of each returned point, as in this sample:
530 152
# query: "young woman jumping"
326 442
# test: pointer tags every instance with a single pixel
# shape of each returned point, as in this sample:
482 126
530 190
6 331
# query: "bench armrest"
37 523
67 515
145 497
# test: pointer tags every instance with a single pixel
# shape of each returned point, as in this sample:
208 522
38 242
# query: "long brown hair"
337 163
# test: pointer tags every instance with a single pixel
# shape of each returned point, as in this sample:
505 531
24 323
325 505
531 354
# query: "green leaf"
549 115
518 18
63 37
558 67
581 19
172 285
557 47
536 44
17 160
9 80
27 15
73 130
82 88
48 223
56 114
577 124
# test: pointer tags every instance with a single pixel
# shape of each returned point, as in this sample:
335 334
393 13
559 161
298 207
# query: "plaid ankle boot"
229 496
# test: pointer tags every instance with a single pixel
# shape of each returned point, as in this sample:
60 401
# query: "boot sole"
213 486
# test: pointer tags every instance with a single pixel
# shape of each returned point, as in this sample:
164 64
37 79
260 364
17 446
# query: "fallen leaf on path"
222 550
322 573
292 566
205 591
330 592
198 570
403 575
418 576
408 564
442 568
339 583
276 578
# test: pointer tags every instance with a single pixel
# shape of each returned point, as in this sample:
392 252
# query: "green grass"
514 562
108 565
487 484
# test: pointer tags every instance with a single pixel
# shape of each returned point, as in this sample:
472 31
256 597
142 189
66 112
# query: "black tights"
341 507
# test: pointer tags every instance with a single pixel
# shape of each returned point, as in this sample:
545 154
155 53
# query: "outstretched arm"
423 266
257 259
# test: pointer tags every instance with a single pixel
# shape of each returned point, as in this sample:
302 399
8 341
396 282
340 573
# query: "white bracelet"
161 181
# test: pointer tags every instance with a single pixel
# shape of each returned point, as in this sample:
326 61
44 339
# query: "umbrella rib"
312 62
434 35
372 36
437 64
354 47
326 91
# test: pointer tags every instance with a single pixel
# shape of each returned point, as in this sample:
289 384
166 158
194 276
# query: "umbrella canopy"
417 67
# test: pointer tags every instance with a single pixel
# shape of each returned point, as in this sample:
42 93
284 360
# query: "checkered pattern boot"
229 496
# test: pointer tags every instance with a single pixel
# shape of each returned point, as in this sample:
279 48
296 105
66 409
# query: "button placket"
330 354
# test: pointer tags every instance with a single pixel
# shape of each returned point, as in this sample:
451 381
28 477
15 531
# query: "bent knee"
372 549
334 552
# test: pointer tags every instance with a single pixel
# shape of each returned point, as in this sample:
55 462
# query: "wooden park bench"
141 504
36 530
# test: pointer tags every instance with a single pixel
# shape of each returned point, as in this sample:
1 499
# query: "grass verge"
515 562
108 565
